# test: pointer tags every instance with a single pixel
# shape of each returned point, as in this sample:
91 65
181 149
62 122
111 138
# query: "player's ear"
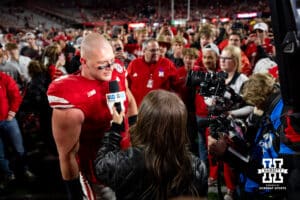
82 61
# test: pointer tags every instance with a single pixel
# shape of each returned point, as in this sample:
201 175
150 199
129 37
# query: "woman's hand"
116 117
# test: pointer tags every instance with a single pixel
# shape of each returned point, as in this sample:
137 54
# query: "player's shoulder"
65 81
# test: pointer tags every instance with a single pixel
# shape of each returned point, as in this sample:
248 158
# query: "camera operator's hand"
219 147
258 111
210 101
210 141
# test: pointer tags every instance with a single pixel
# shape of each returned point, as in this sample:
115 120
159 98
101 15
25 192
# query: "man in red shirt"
10 133
150 72
81 114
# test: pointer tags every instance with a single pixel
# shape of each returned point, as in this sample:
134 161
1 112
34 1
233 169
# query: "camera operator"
266 137
210 57
230 62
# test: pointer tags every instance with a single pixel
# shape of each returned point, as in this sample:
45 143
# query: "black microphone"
115 97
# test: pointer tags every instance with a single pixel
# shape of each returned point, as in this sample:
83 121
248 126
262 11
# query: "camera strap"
234 78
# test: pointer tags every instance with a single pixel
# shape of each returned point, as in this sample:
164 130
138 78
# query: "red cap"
60 37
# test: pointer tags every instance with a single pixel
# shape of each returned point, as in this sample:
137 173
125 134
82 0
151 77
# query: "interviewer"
158 165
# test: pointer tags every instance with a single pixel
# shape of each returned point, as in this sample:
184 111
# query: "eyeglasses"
153 50
106 66
225 58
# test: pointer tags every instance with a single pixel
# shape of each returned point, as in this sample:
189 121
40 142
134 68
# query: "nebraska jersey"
75 91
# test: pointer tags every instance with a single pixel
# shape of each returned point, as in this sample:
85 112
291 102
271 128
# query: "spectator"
11 70
235 39
187 93
207 36
21 62
119 52
35 112
177 46
258 44
150 72
158 164
164 45
54 61
10 134
31 50
141 36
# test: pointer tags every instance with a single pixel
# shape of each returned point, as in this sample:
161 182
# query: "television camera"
212 85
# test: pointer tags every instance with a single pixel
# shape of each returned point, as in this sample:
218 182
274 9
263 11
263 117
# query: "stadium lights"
178 22
136 25
247 15
222 19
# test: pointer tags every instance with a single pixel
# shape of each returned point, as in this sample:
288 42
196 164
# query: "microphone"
115 97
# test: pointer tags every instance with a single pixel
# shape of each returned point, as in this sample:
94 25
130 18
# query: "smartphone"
118 49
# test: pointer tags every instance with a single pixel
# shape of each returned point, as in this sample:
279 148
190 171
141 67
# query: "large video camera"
212 85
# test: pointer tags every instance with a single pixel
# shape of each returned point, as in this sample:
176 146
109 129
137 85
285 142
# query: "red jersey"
143 77
75 91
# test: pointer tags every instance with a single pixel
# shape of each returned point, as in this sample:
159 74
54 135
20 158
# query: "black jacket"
125 171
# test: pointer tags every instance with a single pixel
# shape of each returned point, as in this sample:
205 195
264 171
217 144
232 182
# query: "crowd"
188 95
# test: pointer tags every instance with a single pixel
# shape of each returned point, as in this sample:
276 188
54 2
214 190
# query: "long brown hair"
51 55
161 132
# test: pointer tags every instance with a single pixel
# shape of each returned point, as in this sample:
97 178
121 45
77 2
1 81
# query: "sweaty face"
151 52
100 64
